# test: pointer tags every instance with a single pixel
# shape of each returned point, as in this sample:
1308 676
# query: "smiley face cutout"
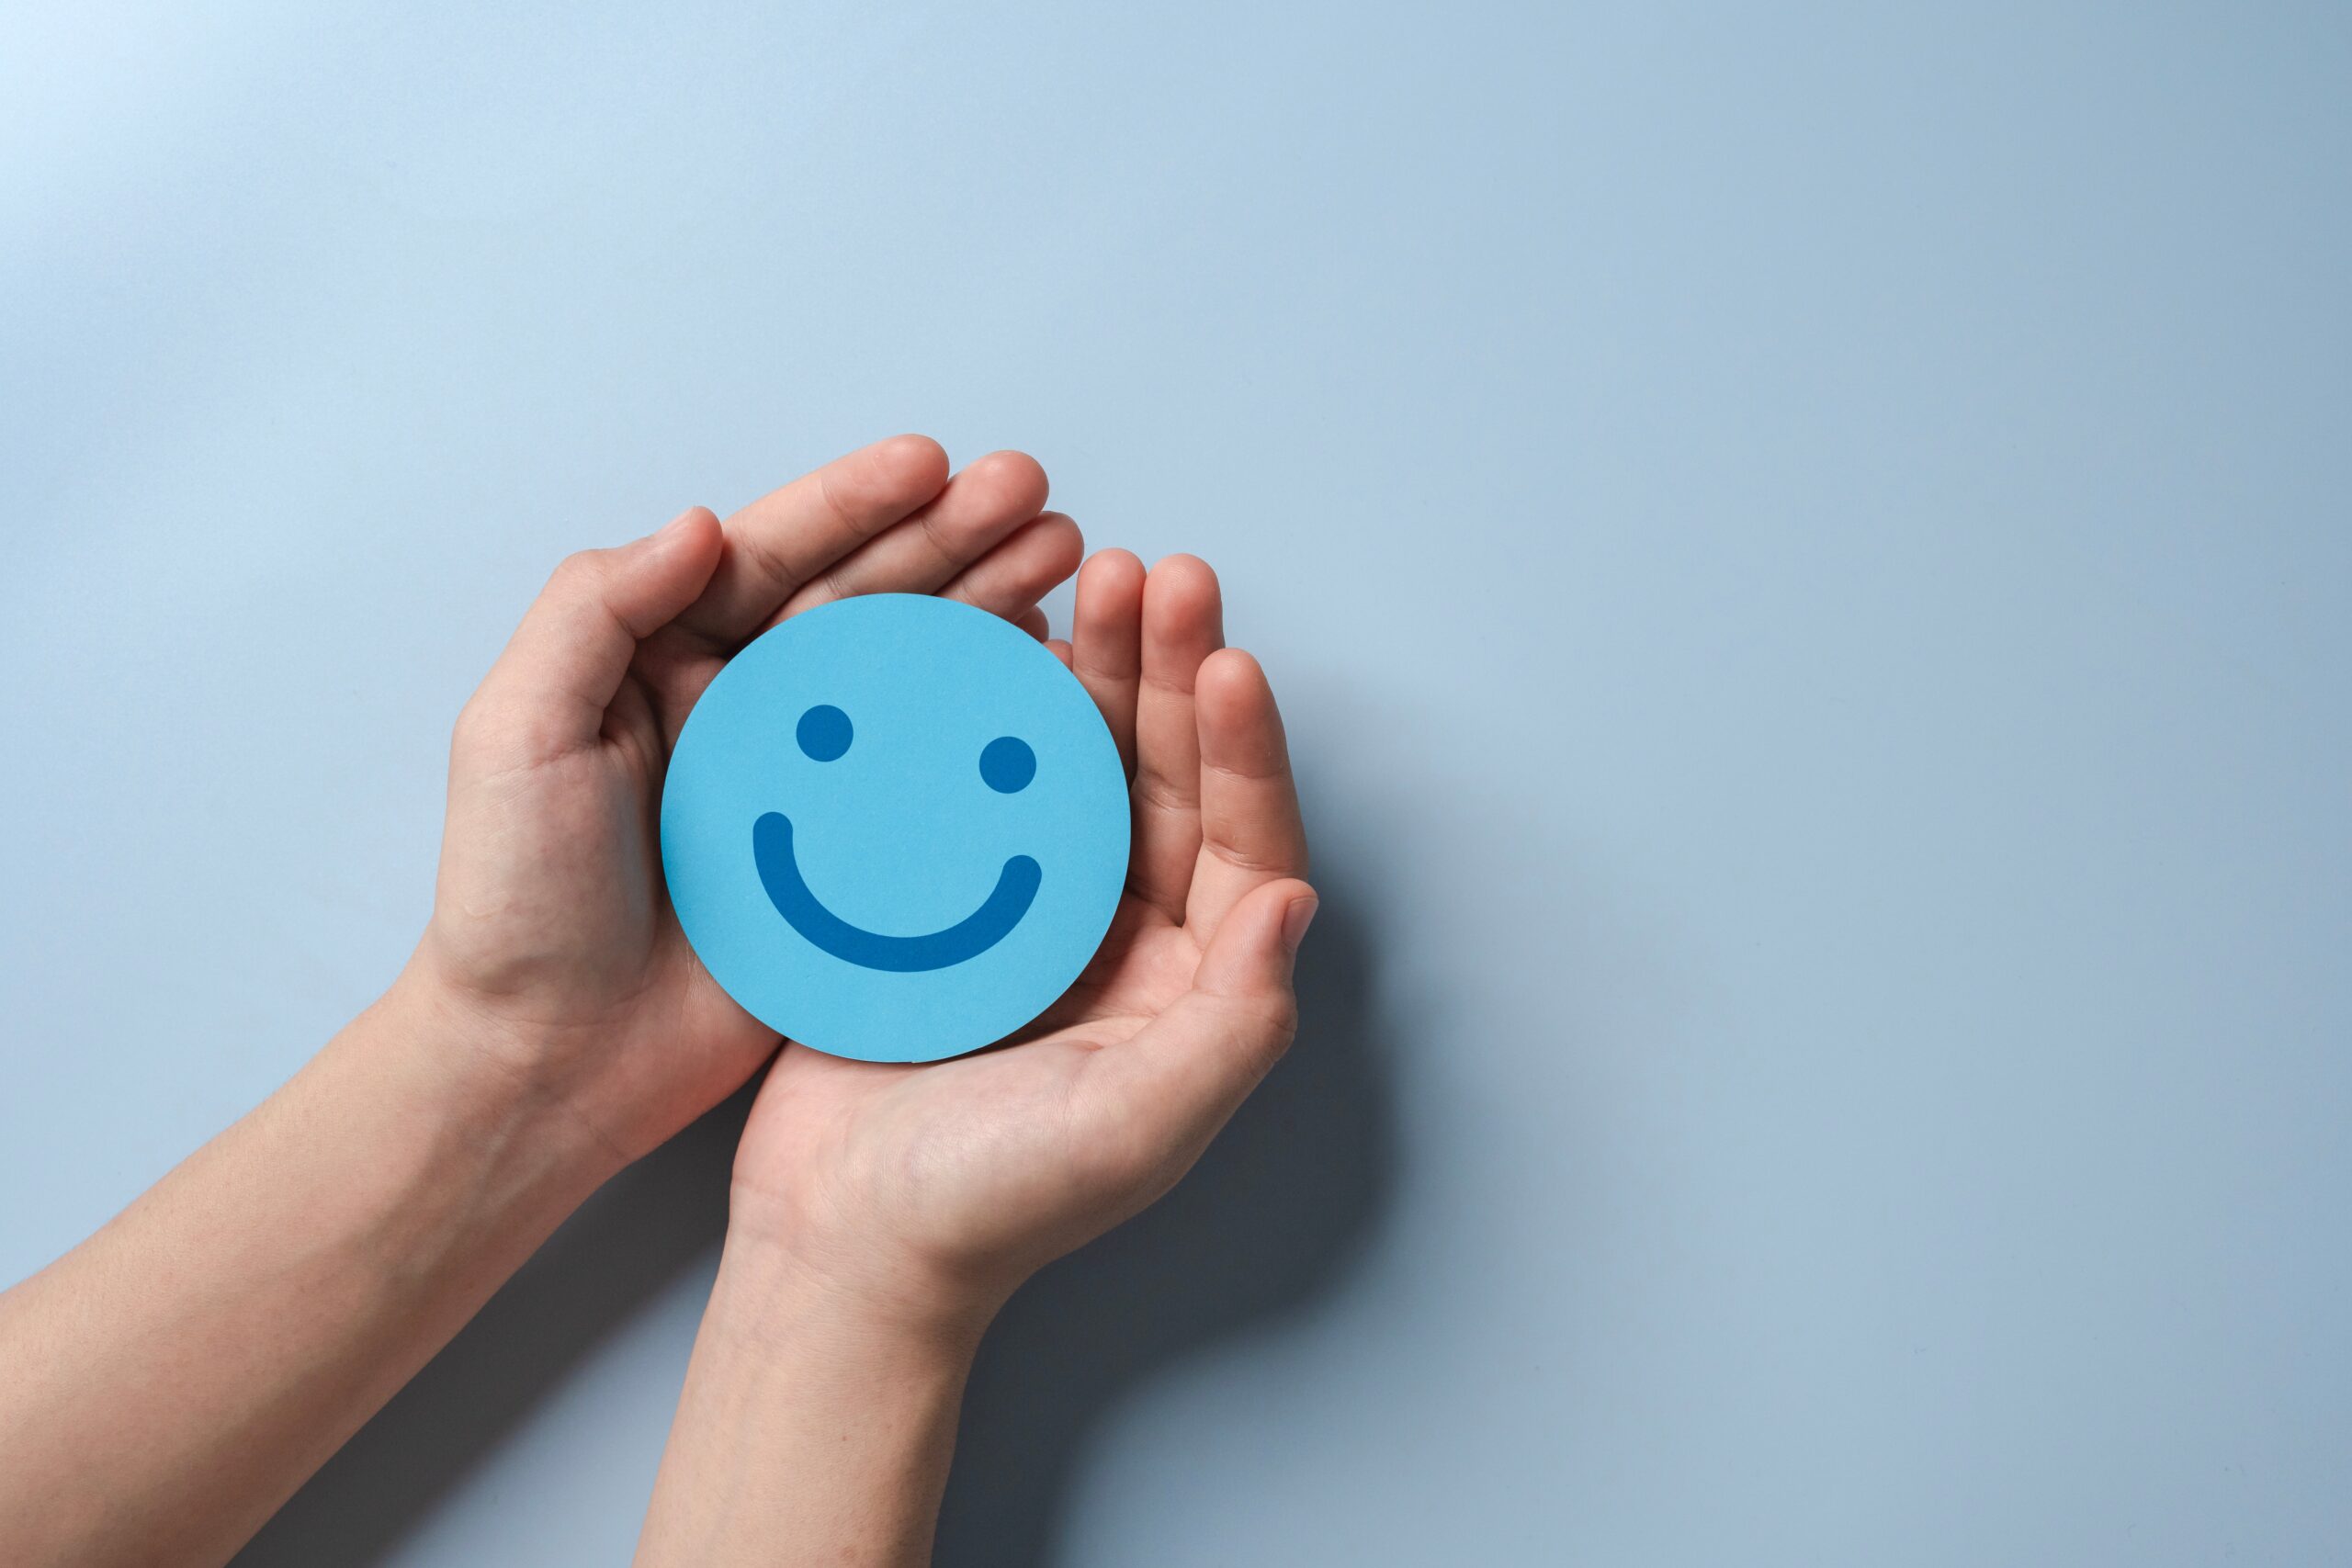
895 827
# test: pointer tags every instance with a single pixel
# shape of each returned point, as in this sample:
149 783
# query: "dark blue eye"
824 732
1006 764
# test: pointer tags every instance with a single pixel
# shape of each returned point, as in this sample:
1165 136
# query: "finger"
1182 624
980 506
549 691
1187 1070
1033 621
789 537
1106 641
1012 577
1059 648
1251 832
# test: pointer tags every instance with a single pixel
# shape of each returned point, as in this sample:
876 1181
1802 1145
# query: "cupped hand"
938 1188
551 934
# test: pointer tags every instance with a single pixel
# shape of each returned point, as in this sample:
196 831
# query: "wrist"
816 1412
863 1293
469 1073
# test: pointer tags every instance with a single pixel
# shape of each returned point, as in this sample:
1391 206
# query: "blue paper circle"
879 900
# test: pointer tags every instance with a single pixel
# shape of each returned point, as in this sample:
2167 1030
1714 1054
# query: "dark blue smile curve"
1016 887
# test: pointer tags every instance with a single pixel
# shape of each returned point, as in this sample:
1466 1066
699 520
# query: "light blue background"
1805 549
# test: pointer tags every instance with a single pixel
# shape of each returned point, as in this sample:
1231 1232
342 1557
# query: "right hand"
930 1191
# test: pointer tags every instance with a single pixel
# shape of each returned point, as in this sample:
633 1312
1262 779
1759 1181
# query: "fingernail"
1295 919
676 523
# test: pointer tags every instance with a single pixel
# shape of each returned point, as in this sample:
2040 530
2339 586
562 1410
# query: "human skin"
168 1383
882 1214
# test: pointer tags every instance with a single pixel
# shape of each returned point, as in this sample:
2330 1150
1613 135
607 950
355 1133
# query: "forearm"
166 1385
815 1426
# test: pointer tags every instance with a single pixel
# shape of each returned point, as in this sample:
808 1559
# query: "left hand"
552 939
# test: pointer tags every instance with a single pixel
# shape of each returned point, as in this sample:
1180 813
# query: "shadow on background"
638 1232
1283 1202
1270 1216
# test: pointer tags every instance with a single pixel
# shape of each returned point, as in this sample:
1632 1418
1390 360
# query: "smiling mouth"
1016 887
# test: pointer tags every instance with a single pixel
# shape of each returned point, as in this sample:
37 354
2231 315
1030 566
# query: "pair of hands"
928 1188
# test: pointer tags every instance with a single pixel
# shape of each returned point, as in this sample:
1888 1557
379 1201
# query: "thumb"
1250 957
1198 1060
564 663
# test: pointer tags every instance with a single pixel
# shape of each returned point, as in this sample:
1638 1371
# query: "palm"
1003 1160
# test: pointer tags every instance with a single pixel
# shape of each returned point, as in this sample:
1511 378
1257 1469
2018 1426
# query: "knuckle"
474 725
495 734
834 583
1257 860
1159 792
765 561
945 551
580 571
1277 1022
